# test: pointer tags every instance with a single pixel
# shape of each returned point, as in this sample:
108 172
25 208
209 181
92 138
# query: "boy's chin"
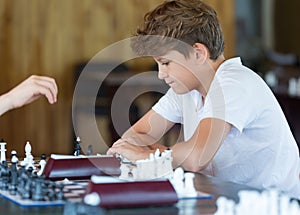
180 91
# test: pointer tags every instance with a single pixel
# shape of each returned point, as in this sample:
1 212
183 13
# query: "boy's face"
178 72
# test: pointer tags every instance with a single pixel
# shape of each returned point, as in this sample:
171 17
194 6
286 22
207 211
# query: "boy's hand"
127 149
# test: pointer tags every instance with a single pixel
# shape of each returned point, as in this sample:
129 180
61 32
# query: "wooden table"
204 183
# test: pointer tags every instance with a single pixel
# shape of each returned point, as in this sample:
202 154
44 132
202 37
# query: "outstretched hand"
28 91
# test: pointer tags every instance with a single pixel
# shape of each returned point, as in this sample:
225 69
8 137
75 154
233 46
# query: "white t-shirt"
260 150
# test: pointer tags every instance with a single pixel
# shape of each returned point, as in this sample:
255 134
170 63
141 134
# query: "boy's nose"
162 74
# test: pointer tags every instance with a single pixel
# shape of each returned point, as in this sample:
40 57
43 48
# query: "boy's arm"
142 138
196 153
193 155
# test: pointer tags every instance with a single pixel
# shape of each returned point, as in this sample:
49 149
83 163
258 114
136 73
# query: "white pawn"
189 189
42 164
2 150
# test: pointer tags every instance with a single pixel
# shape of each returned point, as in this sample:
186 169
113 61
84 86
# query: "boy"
234 128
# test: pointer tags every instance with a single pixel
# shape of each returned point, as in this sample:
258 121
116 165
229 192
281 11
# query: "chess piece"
42 164
158 165
5 174
189 188
2 151
177 181
28 160
27 188
92 199
124 171
14 173
156 153
52 191
77 149
22 177
60 194
90 150
269 201
37 191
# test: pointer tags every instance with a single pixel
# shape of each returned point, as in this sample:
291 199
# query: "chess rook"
2 151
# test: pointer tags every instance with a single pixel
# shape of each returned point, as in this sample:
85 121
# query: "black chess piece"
27 192
60 194
14 174
37 191
77 148
43 157
51 192
5 175
90 150
22 177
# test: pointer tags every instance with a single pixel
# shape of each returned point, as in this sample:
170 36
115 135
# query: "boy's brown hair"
175 23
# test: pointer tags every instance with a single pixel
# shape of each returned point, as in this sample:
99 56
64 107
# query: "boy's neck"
216 64
212 67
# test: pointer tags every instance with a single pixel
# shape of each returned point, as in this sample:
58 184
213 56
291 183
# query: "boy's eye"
165 63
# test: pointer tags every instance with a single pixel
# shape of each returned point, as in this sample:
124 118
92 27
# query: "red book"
59 167
116 193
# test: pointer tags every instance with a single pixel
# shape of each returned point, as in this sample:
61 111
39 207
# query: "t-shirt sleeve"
169 107
228 99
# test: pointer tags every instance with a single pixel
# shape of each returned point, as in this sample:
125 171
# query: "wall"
287 31
50 38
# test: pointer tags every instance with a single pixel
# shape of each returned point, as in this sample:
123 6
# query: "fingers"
45 86
120 147
113 149
28 91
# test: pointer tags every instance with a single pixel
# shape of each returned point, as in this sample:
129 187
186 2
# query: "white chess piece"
189 188
124 171
92 199
177 181
156 153
155 166
29 162
2 150
42 164
225 206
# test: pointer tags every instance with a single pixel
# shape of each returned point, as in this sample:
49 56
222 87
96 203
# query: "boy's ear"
201 52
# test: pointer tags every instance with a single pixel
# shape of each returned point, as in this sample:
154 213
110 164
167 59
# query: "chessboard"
72 192
23 182
63 179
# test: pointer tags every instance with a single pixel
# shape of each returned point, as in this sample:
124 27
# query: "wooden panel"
50 38
286 26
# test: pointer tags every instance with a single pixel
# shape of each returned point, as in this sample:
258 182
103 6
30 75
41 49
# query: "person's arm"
196 153
28 91
192 155
142 138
